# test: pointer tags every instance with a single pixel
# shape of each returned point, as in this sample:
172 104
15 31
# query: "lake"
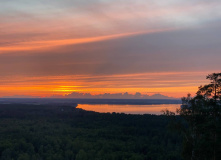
129 109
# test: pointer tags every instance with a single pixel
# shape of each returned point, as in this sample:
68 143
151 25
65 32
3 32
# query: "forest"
50 132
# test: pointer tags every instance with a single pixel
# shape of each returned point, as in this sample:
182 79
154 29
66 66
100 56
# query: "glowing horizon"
149 84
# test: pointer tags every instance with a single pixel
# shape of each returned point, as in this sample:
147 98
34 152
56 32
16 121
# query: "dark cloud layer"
195 49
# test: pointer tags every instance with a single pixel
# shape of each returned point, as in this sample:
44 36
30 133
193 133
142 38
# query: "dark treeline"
47 132
70 101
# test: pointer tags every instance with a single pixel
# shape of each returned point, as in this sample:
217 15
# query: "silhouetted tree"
200 121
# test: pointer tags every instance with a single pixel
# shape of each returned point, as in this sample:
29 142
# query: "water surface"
129 109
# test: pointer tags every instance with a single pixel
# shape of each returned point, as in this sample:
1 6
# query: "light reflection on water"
129 109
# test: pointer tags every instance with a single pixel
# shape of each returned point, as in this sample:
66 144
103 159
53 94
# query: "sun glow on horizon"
150 84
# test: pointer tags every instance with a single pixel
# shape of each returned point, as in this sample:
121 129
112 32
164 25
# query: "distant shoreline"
66 101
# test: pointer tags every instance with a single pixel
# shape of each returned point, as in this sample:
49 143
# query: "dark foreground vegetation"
48 132
200 121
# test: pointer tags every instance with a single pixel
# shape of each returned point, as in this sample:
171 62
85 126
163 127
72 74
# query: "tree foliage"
200 121
48 132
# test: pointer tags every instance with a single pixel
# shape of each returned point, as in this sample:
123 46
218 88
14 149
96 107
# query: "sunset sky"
56 47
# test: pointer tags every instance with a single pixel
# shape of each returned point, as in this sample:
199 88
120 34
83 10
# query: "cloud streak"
35 45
